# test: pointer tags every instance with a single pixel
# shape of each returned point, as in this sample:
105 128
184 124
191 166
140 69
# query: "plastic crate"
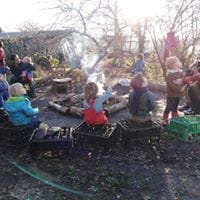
185 128
3 116
99 135
149 131
52 144
15 135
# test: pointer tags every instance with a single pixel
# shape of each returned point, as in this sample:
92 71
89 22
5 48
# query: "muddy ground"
136 173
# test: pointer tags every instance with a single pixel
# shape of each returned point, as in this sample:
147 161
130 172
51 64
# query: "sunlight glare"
134 9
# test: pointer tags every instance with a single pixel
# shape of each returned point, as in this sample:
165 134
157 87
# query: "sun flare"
134 9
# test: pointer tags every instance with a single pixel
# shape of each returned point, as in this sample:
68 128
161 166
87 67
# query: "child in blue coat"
138 66
19 109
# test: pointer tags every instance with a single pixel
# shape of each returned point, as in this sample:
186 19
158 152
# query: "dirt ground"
136 173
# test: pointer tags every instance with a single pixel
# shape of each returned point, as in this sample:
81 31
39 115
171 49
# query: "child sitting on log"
141 100
93 104
175 81
19 109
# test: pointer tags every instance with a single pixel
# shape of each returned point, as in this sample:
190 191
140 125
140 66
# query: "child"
138 66
93 105
141 100
27 74
3 67
2 55
28 67
18 107
3 90
175 82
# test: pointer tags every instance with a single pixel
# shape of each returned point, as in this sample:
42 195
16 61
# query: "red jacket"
2 57
92 117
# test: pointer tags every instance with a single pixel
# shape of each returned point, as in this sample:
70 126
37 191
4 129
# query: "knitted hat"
139 81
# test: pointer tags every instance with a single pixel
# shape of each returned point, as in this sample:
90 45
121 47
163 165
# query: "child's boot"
175 114
165 119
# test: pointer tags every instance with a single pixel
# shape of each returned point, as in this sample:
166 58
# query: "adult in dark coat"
16 68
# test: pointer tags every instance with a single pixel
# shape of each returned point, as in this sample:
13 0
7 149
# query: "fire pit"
72 104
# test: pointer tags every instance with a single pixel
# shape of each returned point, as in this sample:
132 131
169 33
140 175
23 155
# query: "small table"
62 82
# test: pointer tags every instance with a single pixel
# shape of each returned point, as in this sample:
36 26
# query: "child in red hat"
141 100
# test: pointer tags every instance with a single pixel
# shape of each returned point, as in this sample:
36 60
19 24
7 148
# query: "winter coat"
2 57
17 70
3 93
93 109
147 103
173 89
138 67
20 111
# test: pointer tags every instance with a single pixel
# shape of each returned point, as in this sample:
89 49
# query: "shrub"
43 61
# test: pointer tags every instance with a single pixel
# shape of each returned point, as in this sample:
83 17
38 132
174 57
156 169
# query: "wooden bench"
62 82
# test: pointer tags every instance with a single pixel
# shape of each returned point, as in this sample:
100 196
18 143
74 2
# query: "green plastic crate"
185 128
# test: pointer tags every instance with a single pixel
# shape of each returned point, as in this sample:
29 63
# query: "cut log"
76 98
76 111
116 107
59 108
118 98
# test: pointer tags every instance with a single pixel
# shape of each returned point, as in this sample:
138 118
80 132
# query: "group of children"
12 97
141 100
21 72
177 83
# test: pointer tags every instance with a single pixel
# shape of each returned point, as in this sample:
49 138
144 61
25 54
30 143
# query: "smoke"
80 51
98 77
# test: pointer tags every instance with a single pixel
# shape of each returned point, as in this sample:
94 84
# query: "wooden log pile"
72 104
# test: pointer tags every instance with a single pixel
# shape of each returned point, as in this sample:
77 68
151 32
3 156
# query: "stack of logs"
72 104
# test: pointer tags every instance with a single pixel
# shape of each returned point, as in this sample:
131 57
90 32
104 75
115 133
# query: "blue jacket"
20 111
138 67
98 104
3 93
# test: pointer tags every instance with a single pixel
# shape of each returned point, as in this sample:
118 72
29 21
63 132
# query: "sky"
15 12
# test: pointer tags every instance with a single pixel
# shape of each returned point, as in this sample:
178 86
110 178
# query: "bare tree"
182 18
139 29
99 21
